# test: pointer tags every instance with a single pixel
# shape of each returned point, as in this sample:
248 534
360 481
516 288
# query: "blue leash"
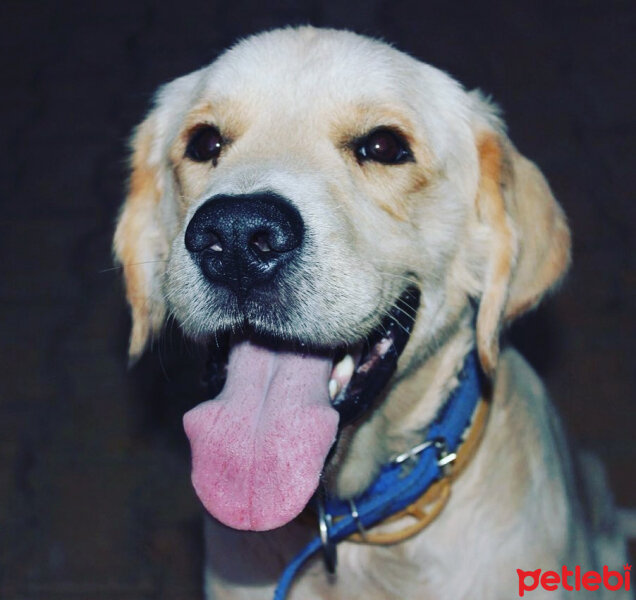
393 490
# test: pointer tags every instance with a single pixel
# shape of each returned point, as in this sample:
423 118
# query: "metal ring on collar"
412 453
444 457
329 549
356 517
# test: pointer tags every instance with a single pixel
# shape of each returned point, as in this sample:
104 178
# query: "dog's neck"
400 420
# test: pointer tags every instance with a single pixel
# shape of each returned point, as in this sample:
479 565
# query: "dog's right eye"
205 144
385 146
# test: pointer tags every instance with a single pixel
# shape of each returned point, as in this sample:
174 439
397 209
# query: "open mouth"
359 377
259 447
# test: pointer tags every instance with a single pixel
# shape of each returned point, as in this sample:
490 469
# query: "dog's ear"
527 237
140 243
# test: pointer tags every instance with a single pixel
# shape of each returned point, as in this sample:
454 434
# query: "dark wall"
95 500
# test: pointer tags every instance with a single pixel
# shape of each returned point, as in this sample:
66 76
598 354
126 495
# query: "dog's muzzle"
259 446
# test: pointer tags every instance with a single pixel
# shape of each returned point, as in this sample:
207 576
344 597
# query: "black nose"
242 241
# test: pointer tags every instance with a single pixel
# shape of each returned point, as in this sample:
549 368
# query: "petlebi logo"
574 580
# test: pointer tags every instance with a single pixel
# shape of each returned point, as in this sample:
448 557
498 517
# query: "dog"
314 202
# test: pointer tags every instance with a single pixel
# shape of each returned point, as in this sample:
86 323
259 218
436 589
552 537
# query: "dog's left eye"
385 146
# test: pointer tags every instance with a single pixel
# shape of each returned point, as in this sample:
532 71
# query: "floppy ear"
140 243
529 240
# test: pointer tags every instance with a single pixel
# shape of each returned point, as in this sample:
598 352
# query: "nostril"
261 242
214 243
198 239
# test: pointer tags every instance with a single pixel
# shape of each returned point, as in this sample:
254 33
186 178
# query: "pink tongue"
259 447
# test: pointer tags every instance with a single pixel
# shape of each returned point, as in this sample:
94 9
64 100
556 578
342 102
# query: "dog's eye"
205 144
384 146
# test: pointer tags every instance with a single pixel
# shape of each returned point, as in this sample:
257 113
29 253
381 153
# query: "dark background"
95 500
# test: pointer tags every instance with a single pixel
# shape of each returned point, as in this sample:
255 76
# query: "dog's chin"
260 446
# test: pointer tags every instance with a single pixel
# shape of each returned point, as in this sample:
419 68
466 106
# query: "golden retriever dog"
345 227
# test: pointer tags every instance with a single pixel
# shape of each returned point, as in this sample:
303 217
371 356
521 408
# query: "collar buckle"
444 457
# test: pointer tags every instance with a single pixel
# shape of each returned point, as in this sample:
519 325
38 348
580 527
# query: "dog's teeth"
341 375
344 369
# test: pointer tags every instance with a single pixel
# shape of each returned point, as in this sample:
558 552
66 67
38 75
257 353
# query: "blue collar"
393 490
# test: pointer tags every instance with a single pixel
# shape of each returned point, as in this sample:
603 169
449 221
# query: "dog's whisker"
110 269
387 313
406 308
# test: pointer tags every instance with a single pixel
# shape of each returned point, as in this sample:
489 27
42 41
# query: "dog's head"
314 197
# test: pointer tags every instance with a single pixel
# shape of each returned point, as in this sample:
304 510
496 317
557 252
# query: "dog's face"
319 195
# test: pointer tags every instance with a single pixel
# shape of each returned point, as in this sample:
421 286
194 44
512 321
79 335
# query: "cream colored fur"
470 220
